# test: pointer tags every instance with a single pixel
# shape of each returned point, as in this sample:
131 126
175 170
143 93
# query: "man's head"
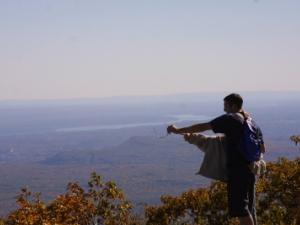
233 103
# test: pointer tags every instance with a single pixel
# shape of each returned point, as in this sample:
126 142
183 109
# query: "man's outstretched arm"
191 129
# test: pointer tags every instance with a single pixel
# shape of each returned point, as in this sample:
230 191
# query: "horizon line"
141 96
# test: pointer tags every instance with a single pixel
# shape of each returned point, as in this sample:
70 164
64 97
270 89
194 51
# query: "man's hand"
172 129
263 148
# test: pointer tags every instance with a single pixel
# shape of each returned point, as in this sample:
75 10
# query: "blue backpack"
251 140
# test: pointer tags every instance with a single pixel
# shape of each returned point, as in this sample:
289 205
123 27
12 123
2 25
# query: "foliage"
278 197
295 139
103 203
279 193
278 201
202 206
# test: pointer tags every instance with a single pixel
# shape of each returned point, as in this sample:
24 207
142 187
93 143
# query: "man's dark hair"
234 99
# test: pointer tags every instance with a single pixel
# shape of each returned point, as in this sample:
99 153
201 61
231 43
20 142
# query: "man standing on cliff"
241 180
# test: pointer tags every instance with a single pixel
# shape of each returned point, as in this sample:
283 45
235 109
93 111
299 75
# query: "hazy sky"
72 49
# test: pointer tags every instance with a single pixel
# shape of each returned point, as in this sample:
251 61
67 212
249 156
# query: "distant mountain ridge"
137 149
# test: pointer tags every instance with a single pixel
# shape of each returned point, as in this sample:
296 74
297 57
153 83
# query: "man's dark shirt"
232 126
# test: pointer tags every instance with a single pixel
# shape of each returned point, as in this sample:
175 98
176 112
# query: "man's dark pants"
241 192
